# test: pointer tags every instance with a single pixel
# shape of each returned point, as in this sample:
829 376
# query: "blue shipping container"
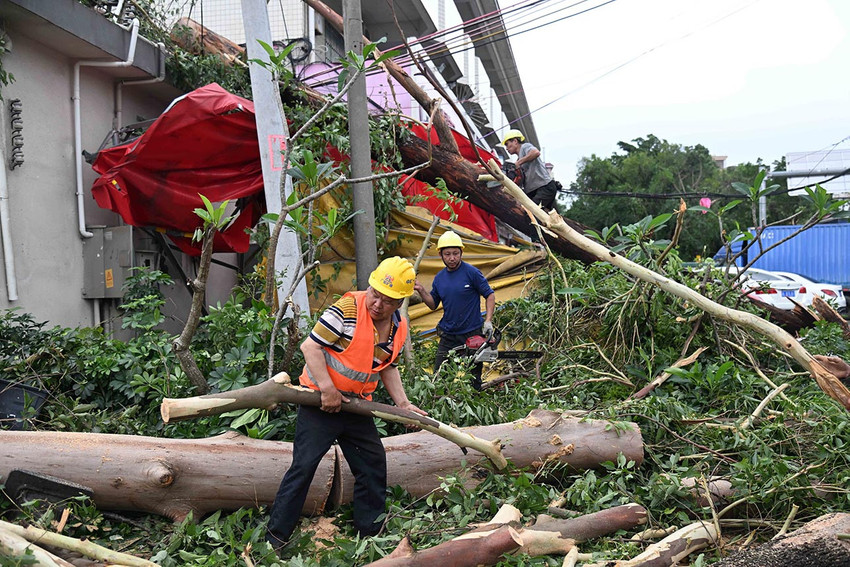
821 253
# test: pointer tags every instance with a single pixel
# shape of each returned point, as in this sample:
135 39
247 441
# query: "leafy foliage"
653 167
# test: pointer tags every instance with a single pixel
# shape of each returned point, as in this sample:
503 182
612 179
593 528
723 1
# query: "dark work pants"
545 196
315 432
447 343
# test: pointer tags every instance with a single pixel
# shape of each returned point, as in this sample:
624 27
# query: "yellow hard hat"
394 277
510 134
449 239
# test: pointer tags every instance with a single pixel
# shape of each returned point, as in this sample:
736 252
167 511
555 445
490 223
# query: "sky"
747 79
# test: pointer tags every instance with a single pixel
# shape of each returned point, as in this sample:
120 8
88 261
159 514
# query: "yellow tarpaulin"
507 268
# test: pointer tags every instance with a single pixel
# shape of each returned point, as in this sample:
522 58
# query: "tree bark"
484 545
174 477
485 550
673 548
461 176
590 526
195 38
814 545
182 343
542 437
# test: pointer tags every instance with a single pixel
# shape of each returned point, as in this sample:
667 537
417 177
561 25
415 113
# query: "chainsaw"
483 349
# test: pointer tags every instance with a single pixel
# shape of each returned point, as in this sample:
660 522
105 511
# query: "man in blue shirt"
459 287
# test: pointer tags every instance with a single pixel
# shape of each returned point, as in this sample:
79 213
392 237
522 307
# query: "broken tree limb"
660 379
673 548
87 548
278 390
483 546
14 546
826 311
554 223
590 526
175 477
486 550
752 417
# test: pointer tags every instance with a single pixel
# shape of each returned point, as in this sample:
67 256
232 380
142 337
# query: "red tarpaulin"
205 143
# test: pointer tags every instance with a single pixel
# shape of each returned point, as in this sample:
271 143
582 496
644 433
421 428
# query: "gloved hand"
487 329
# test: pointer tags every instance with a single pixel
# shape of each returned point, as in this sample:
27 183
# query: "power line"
661 196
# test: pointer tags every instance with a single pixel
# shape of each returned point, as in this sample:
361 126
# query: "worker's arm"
427 299
392 382
532 155
314 358
489 307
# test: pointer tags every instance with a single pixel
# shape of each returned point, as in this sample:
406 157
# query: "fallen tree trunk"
553 221
461 176
278 390
541 438
174 477
815 544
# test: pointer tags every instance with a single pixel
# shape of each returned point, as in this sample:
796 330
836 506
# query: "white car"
769 287
831 293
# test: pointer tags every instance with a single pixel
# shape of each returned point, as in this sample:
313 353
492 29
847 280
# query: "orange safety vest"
351 370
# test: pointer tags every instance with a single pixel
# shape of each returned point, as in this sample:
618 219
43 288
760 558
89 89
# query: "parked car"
831 293
769 287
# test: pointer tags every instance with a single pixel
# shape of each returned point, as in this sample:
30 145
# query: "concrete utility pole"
365 245
271 126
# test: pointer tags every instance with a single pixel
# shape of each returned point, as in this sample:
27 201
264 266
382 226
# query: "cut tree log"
553 221
462 177
174 477
278 390
484 545
816 544
486 550
590 526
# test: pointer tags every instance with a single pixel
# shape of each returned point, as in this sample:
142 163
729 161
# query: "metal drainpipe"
117 123
78 142
8 251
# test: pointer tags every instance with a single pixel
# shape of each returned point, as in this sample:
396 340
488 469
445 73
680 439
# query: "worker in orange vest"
356 342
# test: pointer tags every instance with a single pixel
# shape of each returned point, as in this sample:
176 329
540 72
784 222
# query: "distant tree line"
650 175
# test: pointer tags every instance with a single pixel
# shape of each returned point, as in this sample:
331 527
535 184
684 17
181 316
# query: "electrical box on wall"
107 258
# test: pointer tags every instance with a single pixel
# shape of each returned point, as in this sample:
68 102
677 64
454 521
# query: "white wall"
47 246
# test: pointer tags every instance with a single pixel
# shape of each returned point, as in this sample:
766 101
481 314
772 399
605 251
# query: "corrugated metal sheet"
821 253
